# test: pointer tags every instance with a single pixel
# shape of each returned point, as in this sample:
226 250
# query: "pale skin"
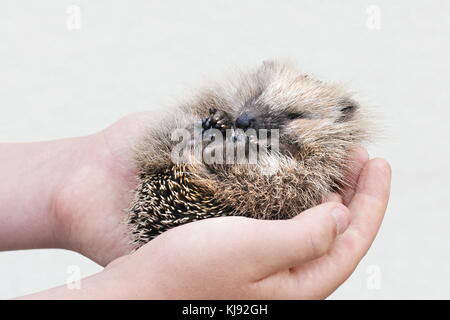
72 194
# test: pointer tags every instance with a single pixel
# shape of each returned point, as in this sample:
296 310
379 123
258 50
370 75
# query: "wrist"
71 194
32 175
64 195
90 200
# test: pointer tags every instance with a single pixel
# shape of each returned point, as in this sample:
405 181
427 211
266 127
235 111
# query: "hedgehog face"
278 97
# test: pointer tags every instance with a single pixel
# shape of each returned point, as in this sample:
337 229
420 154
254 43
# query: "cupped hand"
306 257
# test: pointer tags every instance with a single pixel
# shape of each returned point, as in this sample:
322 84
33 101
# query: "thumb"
285 244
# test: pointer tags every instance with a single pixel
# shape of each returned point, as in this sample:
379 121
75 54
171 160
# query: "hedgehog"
301 133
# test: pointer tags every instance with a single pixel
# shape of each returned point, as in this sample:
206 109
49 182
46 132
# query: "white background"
140 55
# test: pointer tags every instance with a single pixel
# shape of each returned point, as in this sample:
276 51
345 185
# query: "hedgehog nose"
245 121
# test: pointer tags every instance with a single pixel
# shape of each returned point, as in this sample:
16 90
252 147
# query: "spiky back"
166 199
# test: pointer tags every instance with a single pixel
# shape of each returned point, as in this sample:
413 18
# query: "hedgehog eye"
295 115
347 109
347 106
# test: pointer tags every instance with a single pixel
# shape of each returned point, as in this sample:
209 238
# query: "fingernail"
341 218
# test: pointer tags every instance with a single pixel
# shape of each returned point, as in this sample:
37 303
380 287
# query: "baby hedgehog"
301 130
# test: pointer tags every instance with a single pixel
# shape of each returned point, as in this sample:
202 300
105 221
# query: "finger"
358 160
367 210
333 197
370 200
287 243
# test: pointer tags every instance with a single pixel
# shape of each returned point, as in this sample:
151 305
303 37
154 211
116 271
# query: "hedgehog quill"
298 132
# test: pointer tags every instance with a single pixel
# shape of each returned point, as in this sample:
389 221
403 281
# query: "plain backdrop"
60 79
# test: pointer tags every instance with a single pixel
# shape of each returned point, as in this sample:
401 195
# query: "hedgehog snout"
245 121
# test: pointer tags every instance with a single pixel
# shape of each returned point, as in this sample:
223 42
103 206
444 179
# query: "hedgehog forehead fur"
318 125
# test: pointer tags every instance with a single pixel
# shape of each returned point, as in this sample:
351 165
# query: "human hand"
71 193
308 256
97 189
242 258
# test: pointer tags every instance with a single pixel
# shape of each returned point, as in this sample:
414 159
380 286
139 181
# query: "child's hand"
308 256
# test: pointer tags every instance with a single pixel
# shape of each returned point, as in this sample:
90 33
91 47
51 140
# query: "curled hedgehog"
316 126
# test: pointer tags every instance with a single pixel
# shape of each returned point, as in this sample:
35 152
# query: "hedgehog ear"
347 108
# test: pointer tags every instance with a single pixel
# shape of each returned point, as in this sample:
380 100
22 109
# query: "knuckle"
320 236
